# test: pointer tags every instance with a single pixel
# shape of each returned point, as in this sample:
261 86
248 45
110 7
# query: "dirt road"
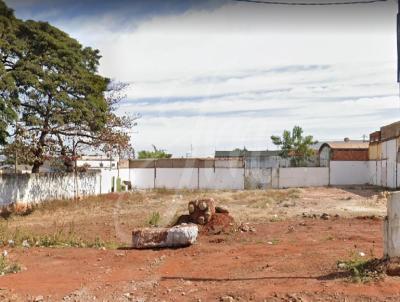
286 259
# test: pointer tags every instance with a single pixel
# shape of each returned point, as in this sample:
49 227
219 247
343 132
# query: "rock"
177 236
129 296
244 227
325 216
393 269
38 299
362 254
11 243
226 299
26 244
4 253
221 210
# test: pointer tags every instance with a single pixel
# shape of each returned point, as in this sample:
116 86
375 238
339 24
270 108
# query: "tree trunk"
36 166
39 152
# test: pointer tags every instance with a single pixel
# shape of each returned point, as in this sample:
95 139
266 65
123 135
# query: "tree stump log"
201 210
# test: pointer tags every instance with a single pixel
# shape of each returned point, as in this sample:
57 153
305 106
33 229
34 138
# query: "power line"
311 3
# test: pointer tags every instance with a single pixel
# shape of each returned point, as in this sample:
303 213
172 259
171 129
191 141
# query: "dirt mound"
219 223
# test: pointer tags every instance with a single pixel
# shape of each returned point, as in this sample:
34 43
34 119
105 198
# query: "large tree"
10 50
55 92
295 146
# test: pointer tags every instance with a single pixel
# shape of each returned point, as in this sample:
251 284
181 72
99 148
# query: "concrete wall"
177 178
187 178
223 179
35 188
303 177
349 173
391 229
258 178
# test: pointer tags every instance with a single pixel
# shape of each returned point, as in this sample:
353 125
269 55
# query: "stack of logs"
201 210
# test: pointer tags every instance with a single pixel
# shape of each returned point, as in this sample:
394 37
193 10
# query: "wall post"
391 228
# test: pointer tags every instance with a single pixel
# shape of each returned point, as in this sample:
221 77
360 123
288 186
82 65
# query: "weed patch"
7 267
362 270
155 218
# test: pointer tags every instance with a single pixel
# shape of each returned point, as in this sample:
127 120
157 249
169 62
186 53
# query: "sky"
212 75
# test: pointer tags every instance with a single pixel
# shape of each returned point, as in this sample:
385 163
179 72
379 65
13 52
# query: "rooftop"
349 144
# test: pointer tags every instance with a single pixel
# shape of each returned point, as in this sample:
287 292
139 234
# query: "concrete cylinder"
391 227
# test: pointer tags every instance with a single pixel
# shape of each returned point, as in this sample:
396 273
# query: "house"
346 150
384 156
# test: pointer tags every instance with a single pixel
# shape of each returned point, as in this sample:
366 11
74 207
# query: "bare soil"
289 256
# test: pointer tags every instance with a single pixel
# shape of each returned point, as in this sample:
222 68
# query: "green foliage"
10 47
51 95
155 219
60 237
295 146
358 269
7 267
156 153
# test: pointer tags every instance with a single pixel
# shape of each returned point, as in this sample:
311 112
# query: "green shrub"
155 219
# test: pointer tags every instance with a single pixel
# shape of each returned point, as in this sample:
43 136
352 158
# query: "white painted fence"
303 177
35 188
40 187
184 178
349 173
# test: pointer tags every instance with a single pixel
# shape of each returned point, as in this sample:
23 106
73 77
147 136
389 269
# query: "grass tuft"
155 218
7 267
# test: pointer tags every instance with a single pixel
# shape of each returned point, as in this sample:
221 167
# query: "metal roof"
352 144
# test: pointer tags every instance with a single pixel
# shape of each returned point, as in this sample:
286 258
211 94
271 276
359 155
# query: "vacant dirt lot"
290 257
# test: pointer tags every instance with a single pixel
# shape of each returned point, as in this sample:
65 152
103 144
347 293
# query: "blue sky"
222 74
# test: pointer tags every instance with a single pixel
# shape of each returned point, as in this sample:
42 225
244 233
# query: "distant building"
21 169
384 155
346 150
262 159
98 162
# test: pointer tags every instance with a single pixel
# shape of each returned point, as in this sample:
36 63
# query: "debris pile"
203 214
201 211
177 236
211 218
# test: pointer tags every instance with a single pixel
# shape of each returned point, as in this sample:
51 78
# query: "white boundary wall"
303 177
177 178
221 178
36 188
181 178
350 173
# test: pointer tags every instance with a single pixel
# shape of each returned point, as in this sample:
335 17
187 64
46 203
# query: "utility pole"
16 151
398 43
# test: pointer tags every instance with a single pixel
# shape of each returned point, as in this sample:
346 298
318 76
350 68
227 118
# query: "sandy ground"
290 257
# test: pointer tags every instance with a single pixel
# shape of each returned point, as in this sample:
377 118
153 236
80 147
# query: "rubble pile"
212 219
204 217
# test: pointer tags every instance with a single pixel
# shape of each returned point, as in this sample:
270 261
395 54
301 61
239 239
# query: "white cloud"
215 73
